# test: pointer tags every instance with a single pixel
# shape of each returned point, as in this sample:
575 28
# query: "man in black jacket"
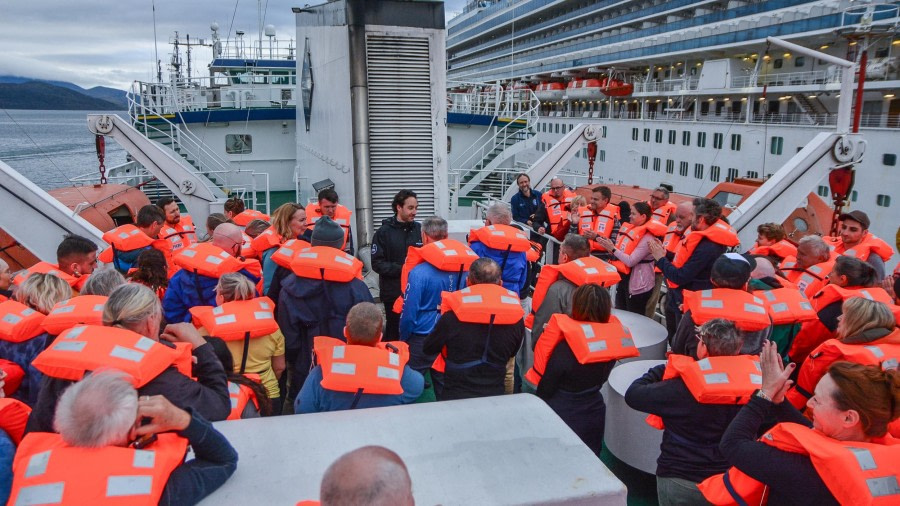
389 247
689 452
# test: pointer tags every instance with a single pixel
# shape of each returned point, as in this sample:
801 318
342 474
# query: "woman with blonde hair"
263 354
40 292
135 308
288 222
867 334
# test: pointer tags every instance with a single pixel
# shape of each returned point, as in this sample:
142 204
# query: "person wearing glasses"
553 217
663 209
693 425
202 264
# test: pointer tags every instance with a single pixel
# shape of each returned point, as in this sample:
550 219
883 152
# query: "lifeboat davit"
584 89
616 88
550 91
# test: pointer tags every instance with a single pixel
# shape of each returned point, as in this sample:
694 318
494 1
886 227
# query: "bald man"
368 476
189 288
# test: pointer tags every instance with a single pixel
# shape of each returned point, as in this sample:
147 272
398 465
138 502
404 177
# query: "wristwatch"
762 395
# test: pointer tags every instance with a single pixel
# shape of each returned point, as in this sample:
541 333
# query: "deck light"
889 95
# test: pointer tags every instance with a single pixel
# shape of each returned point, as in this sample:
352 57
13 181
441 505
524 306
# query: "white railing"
787 79
272 49
253 91
669 85
800 118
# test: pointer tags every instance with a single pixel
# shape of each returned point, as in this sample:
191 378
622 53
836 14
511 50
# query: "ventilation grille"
401 144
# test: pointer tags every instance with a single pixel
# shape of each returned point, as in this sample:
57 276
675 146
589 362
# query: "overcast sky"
106 43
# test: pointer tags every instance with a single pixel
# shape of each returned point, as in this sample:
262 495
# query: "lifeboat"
584 89
617 88
550 91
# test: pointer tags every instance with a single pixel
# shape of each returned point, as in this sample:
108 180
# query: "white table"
508 449
627 435
649 336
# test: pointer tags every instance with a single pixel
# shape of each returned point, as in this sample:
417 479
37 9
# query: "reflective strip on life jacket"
89 347
502 238
787 305
780 249
179 236
13 417
19 322
80 310
329 264
285 254
630 236
662 214
361 369
235 320
127 238
47 268
239 395
855 472
591 342
206 259
579 272
747 311
810 281
244 218
48 471
484 303
717 380
867 245
266 240
446 255
833 293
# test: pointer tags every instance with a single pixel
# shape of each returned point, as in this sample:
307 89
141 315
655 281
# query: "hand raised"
164 416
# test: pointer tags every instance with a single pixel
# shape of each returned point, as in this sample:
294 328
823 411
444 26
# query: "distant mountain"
37 95
116 97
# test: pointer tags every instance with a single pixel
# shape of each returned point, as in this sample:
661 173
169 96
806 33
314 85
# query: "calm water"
49 147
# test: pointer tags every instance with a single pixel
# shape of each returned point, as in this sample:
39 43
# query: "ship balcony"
866 120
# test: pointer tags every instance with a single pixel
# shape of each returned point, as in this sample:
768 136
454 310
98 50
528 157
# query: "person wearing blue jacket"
309 307
526 202
422 299
187 289
513 264
364 326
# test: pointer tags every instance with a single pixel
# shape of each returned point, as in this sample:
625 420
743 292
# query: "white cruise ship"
688 93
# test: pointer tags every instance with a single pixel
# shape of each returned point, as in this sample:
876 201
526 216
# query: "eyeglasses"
700 337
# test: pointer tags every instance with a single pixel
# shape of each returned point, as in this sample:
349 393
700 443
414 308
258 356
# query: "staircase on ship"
511 117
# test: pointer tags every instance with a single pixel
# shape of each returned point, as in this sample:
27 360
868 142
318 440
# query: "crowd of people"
269 316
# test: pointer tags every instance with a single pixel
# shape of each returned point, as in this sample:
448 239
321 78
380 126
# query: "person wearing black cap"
856 241
728 298
316 306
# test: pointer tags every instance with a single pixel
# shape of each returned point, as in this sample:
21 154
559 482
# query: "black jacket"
207 396
389 247
694 274
690 444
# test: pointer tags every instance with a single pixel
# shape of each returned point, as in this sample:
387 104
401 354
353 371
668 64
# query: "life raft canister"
580 272
87 348
446 255
590 342
48 471
361 369
854 472
747 311
325 263
80 310
19 322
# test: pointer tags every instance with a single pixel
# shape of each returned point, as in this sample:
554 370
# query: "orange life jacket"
285 254
714 380
247 250
342 217
19 322
747 311
207 259
14 376
556 209
238 320
833 293
90 347
884 352
629 237
266 240
128 238
662 214
181 235
868 245
719 232
505 238
329 264
77 283
580 272
854 472
781 249
787 305
361 369
671 241
81 310
602 223
244 218
445 255
48 471
13 417
810 281
488 304
239 395
591 342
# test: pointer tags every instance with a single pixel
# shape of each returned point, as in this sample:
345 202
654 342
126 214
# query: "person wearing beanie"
729 297
327 233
